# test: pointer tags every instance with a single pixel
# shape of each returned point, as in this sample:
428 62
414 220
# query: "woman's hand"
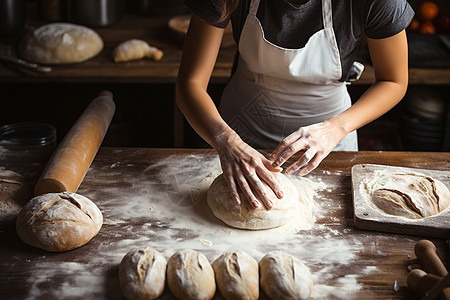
246 169
318 140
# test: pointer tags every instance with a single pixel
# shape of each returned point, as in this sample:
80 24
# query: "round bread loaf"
190 276
142 274
60 43
284 276
237 275
411 196
58 221
246 217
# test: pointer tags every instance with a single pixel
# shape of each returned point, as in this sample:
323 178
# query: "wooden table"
155 197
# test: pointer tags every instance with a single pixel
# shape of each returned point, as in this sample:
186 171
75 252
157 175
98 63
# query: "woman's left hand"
318 140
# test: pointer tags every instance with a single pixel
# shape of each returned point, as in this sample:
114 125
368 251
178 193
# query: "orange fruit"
414 25
428 10
427 28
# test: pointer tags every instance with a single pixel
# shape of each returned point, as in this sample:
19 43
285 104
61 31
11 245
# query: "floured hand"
246 168
318 140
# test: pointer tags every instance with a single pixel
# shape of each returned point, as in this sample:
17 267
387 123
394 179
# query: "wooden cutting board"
368 216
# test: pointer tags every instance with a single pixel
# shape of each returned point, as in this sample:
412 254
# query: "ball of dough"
142 274
246 217
58 221
60 43
284 276
190 276
237 275
412 196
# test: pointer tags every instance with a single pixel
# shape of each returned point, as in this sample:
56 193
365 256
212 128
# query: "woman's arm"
390 63
242 165
201 47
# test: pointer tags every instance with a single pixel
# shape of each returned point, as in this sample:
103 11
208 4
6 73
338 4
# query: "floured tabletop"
157 198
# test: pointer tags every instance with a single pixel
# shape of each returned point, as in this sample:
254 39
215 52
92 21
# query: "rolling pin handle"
425 251
420 282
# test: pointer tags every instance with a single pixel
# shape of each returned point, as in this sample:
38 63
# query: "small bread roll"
237 275
142 274
58 221
190 276
135 49
284 276
61 43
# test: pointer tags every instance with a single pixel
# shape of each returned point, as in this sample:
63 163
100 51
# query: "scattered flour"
174 216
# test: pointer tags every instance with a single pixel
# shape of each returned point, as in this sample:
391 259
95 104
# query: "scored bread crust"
412 196
284 276
237 275
58 221
190 276
142 274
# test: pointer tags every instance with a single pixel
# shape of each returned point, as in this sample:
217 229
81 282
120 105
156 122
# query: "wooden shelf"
102 69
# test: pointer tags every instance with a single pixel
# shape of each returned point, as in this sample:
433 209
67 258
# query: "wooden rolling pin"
426 254
421 282
425 251
69 163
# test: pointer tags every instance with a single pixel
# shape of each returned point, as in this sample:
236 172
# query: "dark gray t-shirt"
291 25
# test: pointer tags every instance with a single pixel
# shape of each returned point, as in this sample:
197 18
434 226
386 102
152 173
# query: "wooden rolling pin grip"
421 282
425 251
69 163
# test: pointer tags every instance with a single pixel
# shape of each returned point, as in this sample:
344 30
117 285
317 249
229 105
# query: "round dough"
142 274
412 196
284 276
237 275
60 43
246 217
58 221
190 276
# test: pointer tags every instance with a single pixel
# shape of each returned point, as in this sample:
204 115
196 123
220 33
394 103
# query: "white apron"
274 90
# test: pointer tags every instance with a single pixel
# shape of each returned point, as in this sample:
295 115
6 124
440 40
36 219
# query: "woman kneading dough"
288 89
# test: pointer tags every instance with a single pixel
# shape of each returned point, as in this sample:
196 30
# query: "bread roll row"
189 275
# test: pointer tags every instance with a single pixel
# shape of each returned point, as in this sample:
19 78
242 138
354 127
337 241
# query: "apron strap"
327 13
254 4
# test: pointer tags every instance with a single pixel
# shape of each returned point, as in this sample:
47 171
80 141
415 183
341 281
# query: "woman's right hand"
246 169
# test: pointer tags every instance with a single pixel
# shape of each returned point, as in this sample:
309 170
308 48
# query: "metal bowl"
94 13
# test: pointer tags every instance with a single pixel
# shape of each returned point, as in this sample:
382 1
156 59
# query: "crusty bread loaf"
60 43
237 275
284 276
190 276
58 221
246 217
412 196
142 274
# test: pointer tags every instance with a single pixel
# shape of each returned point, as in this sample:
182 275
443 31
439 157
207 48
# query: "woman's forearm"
201 113
381 97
